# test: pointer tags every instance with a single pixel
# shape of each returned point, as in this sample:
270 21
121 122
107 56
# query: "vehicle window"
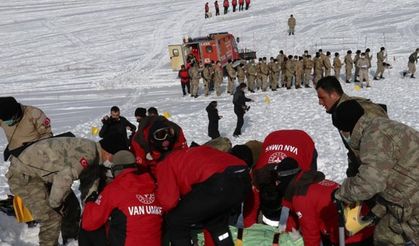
175 52
208 49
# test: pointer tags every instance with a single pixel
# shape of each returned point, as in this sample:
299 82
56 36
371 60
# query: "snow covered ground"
75 59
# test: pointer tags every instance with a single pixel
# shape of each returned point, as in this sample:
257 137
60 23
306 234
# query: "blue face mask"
9 122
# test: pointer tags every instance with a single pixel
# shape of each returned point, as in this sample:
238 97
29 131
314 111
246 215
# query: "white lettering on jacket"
144 210
282 147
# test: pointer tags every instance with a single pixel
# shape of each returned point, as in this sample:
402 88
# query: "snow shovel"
23 214
240 226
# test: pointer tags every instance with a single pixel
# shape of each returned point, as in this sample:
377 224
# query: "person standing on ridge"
292 22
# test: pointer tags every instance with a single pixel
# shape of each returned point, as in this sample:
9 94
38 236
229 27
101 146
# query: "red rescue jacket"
226 4
181 169
241 2
234 2
184 76
317 215
247 2
136 215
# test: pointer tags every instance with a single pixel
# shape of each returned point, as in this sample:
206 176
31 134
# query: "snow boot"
404 74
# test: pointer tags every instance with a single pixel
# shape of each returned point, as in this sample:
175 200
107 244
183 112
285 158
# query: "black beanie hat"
347 115
140 112
244 153
9 107
113 143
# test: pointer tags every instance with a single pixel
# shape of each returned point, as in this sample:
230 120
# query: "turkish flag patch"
46 122
84 163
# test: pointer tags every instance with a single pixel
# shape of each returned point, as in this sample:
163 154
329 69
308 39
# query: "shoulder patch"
84 163
46 122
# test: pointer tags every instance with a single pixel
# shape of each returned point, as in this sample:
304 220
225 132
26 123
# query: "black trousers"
71 218
186 86
240 120
209 205
93 238
225 10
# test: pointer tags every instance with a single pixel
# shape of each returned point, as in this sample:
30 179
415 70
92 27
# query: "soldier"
318 68
206 75
322 58
357 56
241 74
413 58
241 5
234 4
270 67
330 94
49 168
275 75
231 74
218 78
211 84
24 125
388 171
381 57
308 69
349 63
195 76
280 59
298 72
327 65
206 10
251 75
292 22
289 71
337 64
264 73
259 75
362 65
284 72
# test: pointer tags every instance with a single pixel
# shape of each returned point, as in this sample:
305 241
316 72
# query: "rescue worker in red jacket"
241 5
200 186
247 4
234 4
277 146
144 152
184 80
127 206
308 195
226 4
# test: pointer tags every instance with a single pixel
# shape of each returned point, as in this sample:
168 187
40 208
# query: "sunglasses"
162 134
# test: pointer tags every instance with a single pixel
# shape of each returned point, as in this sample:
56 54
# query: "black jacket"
239 100
111 127
213 118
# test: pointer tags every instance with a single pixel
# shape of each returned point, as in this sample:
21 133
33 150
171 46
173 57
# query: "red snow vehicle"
214 47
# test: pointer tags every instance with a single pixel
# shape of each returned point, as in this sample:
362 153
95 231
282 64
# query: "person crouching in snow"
198 187
127 206
304 190
213 118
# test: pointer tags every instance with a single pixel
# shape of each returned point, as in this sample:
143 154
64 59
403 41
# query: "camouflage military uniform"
298 73
207 75
280 58
231 74
362 65
337 64
381 56
195 76
349 64
240 74
327 66
251 76
389 170
318 69
56 162
258 75
274 75
308 69
356 59
264 73
218 79
289 72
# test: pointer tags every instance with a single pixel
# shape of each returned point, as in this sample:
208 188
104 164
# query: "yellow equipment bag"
23 214
353 221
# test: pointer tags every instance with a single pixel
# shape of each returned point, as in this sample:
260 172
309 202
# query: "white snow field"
76 58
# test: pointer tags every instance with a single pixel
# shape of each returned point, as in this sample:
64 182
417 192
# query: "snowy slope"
75 59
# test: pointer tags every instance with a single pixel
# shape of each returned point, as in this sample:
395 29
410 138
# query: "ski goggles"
163 133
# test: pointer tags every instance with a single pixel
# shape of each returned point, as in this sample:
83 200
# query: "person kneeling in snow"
127 206
198 187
